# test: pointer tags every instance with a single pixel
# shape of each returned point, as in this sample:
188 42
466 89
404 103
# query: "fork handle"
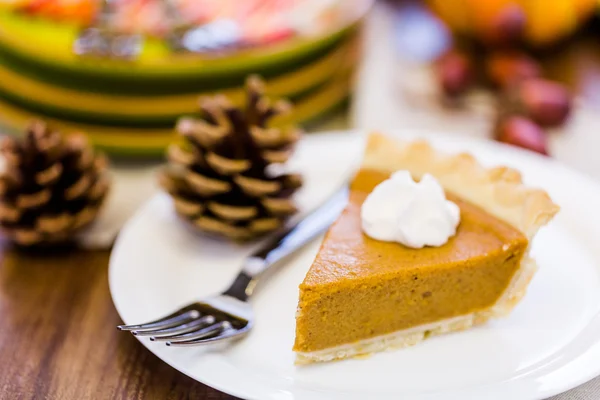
286 243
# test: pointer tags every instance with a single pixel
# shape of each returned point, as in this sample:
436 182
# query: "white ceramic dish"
549 344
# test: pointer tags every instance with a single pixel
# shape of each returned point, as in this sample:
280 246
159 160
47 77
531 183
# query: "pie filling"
360 288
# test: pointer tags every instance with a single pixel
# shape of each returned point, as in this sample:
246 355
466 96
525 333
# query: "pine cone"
222 178
51 187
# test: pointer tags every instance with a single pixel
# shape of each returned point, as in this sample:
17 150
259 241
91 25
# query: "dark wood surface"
58 338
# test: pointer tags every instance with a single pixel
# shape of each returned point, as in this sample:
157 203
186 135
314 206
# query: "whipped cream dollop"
416 214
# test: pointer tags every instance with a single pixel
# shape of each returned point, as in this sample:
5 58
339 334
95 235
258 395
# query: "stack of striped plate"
129 107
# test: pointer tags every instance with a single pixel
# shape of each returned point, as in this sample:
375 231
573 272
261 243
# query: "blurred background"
123 71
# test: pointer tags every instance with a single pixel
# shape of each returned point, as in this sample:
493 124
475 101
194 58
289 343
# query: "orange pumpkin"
547 21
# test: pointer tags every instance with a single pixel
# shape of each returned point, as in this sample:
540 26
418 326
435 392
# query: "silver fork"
101 40
229 315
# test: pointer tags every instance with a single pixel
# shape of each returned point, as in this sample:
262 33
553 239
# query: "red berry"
455 73
547 103
508 26
505 68
522 132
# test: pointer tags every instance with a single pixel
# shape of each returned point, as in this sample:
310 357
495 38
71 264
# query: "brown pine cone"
222 177
51 187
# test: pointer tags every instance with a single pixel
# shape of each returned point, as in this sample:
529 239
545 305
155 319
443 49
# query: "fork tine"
209 331
177 318
191 326
231 333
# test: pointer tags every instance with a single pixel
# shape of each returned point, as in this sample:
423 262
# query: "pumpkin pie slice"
362 295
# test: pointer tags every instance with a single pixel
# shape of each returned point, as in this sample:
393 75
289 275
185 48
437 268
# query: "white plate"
550 343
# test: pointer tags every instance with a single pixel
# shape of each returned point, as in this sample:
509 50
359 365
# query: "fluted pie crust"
497 191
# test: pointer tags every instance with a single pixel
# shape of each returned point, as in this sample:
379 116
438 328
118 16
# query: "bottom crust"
411 336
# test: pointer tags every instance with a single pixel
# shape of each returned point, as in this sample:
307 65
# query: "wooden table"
57 332
58 338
